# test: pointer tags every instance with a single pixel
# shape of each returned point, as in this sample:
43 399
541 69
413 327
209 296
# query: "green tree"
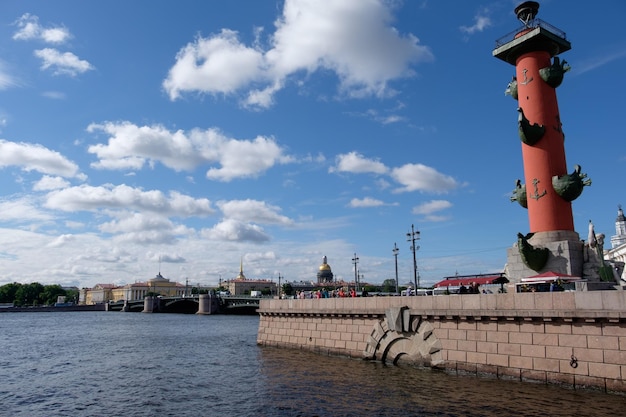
389 285
71 296
28 294
287 289
370 288
8 291
51 293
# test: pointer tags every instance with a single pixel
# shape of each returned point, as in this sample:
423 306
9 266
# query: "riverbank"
572 338
39 309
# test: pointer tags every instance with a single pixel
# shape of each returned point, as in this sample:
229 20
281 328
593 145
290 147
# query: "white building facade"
617 254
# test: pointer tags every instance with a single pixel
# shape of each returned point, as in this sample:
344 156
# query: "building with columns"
157 285
100 293
103 293
619 238
617 254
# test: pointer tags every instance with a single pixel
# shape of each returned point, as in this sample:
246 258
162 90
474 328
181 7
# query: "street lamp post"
412 236
355 261
395 254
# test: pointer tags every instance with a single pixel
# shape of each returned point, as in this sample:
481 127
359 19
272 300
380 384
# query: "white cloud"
260 256
165 257
235 230
391 119
184 205
253 211
22 210
32 157
419 177
355 163
601 59
123 197
102 253
131 147
74 224
382 183
220 64
352 38
54 95
481 22
366 202
429 208
61 240
241 159
147 237
30 29
62 63
144 228
136 222
47 183
7 80
413 177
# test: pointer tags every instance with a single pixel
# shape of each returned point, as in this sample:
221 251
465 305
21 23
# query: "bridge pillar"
207 304
126 307
148 304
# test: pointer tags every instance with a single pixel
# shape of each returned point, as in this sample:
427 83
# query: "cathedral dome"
324 274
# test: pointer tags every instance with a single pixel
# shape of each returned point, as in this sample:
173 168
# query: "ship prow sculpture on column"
548 188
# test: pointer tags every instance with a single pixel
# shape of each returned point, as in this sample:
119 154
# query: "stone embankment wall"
573 338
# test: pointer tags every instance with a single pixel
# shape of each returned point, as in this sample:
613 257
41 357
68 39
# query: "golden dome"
324 266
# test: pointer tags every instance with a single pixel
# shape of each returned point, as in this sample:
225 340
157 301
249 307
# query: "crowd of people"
325 293
470 289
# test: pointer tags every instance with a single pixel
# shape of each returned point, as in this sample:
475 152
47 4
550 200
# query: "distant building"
103 293
100 293
158 285
617 254
243 286
619 238
324 274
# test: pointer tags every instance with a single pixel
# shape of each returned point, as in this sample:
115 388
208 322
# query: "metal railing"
533 24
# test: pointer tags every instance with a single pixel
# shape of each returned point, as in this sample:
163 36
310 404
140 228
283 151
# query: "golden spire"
241 275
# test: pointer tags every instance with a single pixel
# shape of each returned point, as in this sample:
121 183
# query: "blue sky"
188 136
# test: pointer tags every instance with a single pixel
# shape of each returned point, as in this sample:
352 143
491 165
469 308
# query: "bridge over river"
193 304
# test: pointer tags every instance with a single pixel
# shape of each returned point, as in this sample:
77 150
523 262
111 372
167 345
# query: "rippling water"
133 364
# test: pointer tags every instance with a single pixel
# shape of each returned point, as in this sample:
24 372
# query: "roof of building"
457 281
105 286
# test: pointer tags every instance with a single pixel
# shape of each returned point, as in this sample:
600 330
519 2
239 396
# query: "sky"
194 137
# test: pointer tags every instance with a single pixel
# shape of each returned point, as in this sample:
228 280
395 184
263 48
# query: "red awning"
467 281
550 276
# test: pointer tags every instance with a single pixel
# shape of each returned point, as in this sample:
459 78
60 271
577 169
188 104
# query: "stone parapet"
575 338
558 304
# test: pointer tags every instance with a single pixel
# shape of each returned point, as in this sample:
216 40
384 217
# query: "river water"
133 364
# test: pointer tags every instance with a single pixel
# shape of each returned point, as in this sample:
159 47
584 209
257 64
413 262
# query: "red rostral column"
531 49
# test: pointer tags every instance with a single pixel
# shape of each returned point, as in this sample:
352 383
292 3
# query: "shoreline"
47 309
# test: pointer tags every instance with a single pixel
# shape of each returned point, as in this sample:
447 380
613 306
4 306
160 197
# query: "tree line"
35 294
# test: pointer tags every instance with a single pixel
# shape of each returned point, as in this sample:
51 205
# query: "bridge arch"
181 305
